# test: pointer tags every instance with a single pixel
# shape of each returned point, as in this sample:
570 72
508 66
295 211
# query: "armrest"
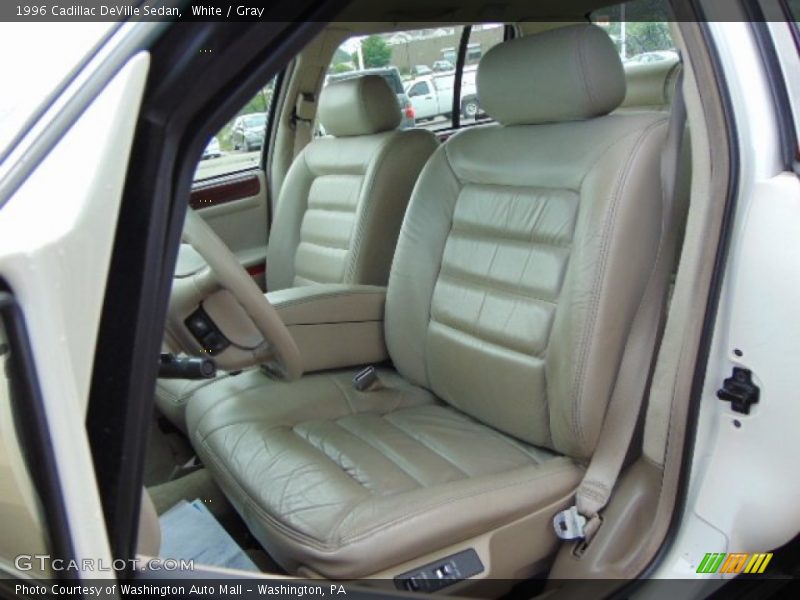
334 325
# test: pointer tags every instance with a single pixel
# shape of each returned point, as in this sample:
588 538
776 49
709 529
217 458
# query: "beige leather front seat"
341 205
340 208
521 261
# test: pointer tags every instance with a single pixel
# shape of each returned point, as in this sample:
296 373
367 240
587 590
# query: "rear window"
391 76
640 32
422 64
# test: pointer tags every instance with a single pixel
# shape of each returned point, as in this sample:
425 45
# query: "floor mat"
189 531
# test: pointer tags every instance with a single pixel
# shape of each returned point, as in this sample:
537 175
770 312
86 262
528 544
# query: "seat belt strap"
302 121
582 520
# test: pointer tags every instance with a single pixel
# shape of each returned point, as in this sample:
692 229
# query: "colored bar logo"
734 563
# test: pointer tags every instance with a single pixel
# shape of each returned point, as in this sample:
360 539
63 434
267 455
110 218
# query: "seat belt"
303 121
582 520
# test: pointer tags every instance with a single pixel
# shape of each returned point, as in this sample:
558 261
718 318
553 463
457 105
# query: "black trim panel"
777 85
190 95
30 423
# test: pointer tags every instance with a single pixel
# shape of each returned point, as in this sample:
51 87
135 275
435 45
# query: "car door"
423 99
230 191
58 216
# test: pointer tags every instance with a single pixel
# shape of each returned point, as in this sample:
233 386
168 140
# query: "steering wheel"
222 281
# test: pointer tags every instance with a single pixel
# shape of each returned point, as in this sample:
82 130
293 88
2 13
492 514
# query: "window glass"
239 144
418 64
481 39
641 35
418 89
421 67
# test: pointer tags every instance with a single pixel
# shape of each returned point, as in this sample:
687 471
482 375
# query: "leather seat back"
528 243
340 208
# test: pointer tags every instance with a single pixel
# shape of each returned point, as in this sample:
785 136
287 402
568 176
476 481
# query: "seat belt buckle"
366 379
570 524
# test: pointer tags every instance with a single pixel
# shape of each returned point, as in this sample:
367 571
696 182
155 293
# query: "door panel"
235 207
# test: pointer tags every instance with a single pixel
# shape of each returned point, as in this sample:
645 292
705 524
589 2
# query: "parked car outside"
432 96
442 66
212 149
247 132
420 70
651 57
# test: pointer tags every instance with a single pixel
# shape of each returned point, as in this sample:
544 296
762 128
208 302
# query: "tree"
341 68
648 37
377 52
340 56
258 103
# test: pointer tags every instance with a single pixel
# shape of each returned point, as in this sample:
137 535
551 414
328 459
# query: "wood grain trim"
222 192
256 270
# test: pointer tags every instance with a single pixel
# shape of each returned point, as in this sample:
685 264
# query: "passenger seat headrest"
359 106
565 74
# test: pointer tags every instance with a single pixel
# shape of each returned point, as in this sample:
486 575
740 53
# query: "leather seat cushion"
326 475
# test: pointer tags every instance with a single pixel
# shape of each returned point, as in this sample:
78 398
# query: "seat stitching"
500 288
444 149
330 208
366 203
309 208
324 245
528 354
503 438
499 436
338 464
453 500
580 49
484 234
518 186
389 420
381 452
292 260
353 504
255 507
610 221
207 434
323 546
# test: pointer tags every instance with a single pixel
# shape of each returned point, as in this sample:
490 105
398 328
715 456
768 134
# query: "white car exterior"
741 497
432 96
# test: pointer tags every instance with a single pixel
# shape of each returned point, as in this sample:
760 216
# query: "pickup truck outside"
432 95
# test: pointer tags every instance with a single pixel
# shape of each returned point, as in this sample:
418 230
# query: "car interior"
419 333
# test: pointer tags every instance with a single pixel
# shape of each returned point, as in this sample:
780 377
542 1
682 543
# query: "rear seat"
651 86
